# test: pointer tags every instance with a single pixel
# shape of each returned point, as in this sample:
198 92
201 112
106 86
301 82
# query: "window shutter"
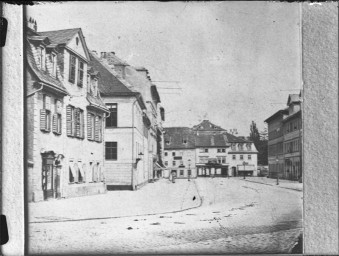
43 119
89 126
69 120
82 125
96 131
55 123
77 122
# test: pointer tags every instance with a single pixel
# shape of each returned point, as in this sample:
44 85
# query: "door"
47 179
234 171
224 171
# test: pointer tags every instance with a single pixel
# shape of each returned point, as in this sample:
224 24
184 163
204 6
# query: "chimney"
103 55
31 23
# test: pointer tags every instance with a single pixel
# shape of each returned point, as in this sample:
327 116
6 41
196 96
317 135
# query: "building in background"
133 154
65 116
285 140
216 152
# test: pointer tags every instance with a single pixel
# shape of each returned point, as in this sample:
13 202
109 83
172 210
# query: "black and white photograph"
164 127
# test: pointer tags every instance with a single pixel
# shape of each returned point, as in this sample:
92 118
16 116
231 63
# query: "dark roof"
109 84
294 115
61 36
211 140
206 125
43 76
176 136
155 94
277 114
232 139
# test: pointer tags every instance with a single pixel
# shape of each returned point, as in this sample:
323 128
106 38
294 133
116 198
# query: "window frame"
112 120
80 78
111 145
72 68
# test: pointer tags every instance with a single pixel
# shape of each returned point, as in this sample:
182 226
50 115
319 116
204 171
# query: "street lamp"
189 169
277 161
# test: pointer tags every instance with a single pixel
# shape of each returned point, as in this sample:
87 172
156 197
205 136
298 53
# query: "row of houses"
94 122
207 150
285 140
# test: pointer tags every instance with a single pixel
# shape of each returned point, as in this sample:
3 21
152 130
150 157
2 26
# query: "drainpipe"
132 171
42 86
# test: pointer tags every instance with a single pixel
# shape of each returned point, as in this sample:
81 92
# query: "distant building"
65 116
284 140
216 152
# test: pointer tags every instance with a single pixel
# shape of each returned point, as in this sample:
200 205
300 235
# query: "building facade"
133 130
285 141
216 152
65 117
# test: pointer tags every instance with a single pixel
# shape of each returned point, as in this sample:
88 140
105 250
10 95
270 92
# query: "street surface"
235 216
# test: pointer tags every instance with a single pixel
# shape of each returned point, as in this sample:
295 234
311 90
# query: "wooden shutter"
55 123
43 120
82 120
77 122
96 128
69 120
89 126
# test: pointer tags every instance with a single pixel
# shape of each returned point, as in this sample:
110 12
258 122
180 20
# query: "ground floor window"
111 150
181 172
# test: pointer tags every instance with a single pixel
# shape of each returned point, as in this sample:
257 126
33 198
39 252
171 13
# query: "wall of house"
186 155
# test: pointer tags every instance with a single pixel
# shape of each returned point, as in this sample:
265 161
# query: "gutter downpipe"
132 171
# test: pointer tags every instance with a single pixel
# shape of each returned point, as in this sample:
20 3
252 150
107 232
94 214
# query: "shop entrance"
48 176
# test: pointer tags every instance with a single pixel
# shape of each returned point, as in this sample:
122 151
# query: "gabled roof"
109 84
293 98
43 76
176 137
206 125
64 36
277 114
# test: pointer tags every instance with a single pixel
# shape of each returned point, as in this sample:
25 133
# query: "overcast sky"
235 61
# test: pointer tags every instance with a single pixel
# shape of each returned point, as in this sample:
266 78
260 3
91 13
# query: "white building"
65 116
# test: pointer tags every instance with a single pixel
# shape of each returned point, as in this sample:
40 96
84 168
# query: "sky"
233 62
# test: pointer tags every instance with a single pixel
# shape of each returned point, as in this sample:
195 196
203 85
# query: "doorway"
48 175
234 171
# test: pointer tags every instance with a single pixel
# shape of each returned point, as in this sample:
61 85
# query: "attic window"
167 142
77 40
184 141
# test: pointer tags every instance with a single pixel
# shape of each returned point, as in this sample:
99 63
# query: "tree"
260 140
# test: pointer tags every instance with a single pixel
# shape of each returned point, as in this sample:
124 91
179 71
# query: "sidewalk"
154 198
288 184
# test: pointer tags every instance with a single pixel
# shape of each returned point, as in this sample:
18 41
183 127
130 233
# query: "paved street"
236 216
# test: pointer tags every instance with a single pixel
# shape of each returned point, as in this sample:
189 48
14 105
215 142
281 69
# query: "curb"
273 185
126 216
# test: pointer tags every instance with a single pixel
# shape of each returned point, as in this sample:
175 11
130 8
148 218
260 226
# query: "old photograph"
164 127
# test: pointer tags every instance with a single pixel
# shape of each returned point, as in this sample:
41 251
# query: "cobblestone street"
235 217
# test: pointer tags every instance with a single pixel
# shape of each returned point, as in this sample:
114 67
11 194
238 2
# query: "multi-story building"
65 116
179 155
216 152
284 140
132 156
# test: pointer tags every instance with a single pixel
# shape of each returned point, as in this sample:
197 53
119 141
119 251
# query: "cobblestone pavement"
236 217
288 184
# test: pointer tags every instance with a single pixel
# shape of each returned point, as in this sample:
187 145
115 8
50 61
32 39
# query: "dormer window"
72 64
54 64
95 87
42 58
184 141
80 73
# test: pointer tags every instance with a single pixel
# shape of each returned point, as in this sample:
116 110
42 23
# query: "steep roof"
43 76
64 36
61 36
109 85
211 140
176 137
280 112
206 125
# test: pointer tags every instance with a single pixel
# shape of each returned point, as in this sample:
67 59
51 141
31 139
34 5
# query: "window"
54 64
94 127
80 73
71 174
111 150
221 150
173 153
173 163
241 157
112 120
233 146
72 64
166 163
77 40
167 142
249 157
75 122
45 114
57 118
241 146
181 172
234 157
98 128
189 172
95 87
166 153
